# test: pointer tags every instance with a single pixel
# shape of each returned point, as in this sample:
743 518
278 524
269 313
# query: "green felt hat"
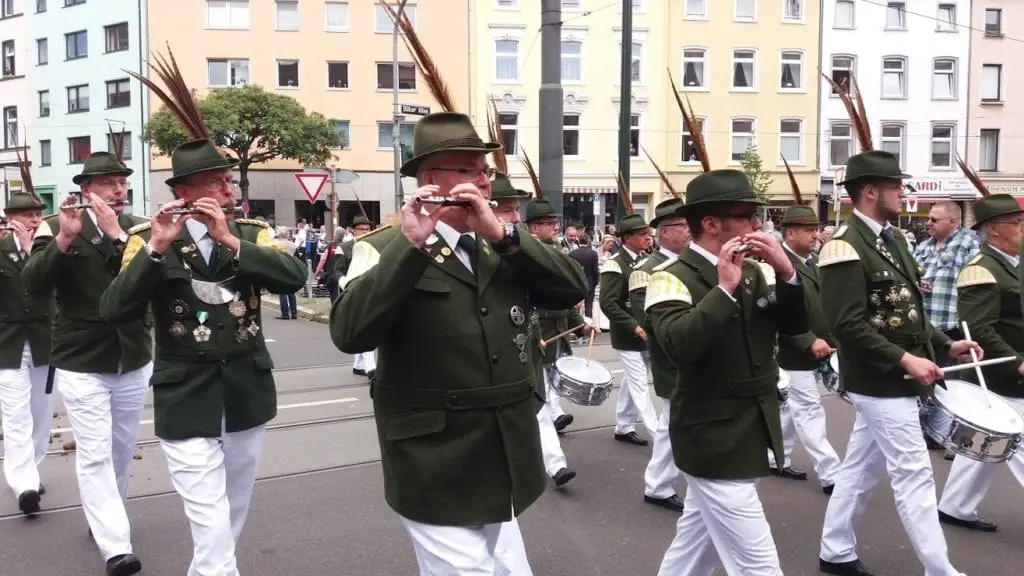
665 209
800 215
195 157
23 201
993 206
444 132
501 187
539 208
630 223
873 164
99 164
714 187
361 220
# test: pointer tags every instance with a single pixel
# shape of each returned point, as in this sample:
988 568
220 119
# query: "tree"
753 167
253 124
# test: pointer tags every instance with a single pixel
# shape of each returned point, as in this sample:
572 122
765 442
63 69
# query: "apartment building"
13 91
912 66
333 57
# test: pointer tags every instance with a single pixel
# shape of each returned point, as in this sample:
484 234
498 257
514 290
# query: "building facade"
333 57
995 136
14 55
912 67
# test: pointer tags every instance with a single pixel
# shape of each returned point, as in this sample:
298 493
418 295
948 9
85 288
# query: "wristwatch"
121 239
153 254
510 242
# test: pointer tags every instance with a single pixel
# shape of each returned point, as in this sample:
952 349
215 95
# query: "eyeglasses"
217 184
110 182
489 171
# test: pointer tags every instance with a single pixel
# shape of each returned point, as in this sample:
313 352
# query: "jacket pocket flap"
433 285
168 376
415 424
712 411
263 362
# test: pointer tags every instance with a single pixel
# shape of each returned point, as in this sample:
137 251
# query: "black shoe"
359 372
852 568
563 476
28 502
281 317
672 503
631 438
562 421
371 374
295 316
789 472
979 525
123 565
828 489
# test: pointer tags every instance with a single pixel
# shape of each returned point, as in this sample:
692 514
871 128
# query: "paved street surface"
319 507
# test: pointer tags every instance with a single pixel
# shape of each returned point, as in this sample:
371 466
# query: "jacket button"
483 310
757 365
494 359
27 310
220 325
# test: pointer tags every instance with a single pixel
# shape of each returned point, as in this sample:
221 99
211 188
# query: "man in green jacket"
713 313
25 396
102 367
871 296
445 298
363 363
989 301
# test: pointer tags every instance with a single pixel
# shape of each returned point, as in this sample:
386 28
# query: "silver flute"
743 248
190 210
83 205
446 201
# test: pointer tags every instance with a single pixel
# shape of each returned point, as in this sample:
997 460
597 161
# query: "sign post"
837 193
911 203
311 183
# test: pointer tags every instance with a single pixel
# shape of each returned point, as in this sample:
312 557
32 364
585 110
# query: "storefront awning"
589 190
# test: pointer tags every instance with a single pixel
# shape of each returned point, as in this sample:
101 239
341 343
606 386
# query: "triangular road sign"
311 183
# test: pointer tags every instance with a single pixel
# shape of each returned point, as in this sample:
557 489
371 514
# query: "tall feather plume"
624 195
26 173
533 174
972 176
362 210
664 177
856 112
177 98
494 129
692 126
792 183
862 113
432 75
117 142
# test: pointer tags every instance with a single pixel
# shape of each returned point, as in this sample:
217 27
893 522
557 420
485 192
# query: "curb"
304 312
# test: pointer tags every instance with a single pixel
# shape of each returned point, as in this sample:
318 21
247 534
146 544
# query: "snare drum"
960 418
784 384
582 382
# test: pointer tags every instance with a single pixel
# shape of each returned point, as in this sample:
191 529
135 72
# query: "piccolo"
191 210
84 205
445 201
743 248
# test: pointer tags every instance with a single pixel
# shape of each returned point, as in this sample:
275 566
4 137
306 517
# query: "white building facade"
78 89
13 91
911 63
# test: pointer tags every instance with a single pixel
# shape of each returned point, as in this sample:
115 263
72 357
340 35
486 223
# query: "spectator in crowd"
585 254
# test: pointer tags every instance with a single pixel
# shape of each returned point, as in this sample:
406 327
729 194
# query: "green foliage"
753 167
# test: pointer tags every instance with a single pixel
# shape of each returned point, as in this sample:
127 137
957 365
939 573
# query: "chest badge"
517 315
446 251
202 333
177 330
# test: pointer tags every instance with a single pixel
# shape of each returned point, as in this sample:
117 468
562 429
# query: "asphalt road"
318 507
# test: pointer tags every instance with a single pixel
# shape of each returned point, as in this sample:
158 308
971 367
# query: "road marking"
269 340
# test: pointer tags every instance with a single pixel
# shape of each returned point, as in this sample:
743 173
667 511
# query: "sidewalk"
312 309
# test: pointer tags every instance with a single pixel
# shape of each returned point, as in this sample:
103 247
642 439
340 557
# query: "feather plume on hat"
117 142
26 173
971 175
431 74
624 195
857 113
661 173
692 126
533 174
792 183
494 130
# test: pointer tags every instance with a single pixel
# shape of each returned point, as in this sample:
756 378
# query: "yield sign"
311 183
911 204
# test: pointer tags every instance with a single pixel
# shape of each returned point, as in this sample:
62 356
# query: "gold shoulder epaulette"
638 279
610 266
974 276
975 260
142 227
252 222
372 232
768 272
666 264
836 252
840 232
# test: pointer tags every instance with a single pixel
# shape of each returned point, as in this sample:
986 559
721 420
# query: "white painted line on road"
269 340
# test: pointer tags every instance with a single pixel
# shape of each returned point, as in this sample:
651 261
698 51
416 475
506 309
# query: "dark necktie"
890 243
213 255
468 244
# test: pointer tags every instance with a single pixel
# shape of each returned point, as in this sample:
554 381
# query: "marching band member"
26 398
989 302
102 367
363 363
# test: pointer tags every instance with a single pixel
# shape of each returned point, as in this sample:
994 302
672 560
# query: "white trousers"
550 445
804 417
634 394
723 525
788 436
886 436
365 361
487 550
27 415
551 398
215 478
969 480
105 410
662 473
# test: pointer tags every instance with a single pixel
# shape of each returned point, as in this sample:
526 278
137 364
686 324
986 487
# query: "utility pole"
625 100
332 202
396 116
550 133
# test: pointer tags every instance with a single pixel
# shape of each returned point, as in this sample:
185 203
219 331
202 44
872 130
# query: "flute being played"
445 201
84 205
190 210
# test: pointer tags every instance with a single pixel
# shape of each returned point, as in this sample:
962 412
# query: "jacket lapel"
224 256
872 240
188 250
488 263
9 255
1010 269
707 270
805 271
92 236
445 259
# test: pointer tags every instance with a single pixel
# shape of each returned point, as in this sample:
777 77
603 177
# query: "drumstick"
977 369
557 336
970 365
590 347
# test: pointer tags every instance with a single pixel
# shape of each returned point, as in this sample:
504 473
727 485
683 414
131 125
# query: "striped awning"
589 190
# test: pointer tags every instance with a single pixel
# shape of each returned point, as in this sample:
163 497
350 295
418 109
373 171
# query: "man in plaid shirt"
942 257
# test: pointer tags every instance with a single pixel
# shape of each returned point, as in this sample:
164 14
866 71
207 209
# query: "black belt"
905 340
469 399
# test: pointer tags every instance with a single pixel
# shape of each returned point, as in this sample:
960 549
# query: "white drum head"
833 361
582 371
783 379
971 403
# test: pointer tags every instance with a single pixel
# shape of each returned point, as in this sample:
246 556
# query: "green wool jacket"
873 304
23 317
554 322
456 388
725 410
989 300
663 370
197 384
615 304
795 351
82 341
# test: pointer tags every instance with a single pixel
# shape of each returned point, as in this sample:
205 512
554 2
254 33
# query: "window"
126 146
842 69
687 146
509 124
840 143
694 65
73 2
893 140
572 58
946 20
11 127
8 58
696 8
287 15
227 72
41 7
506 60
116 37
942 146
384 24
791 71
42 52
793 9
386 76
342 134
45 157
741 132
44 103
571 135
79 149
634 134
385 138
844 14
78 98
287 73
6 8
571 4
991 82
337 74
989 150
507 4
119 93
227 14
994 21
896 16
635 54
944 79
745 9
894 77
791 140
76 45
336 16
743 69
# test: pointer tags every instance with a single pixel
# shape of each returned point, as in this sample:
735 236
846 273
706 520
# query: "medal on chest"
202 333
237 306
